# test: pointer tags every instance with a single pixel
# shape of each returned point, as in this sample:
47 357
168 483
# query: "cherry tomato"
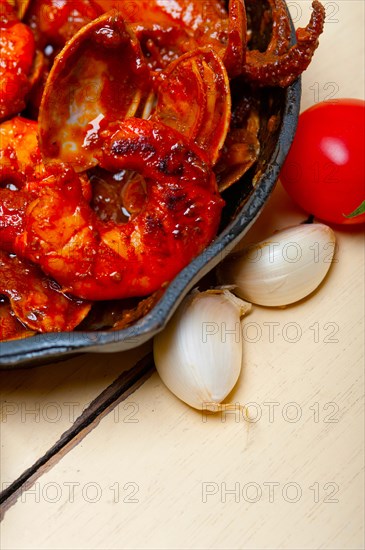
324 171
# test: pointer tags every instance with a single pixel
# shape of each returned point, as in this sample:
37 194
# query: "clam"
98 77
194 98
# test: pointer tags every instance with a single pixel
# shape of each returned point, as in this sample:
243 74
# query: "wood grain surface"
39 404
151 473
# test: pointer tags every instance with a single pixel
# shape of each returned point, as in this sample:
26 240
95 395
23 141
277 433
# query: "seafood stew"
134 154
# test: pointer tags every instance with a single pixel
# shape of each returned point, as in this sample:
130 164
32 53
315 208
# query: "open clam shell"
97 78
194 98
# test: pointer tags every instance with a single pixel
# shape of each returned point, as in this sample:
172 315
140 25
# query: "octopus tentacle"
269 69
281 31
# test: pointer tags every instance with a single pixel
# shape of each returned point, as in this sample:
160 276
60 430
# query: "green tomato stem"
359 210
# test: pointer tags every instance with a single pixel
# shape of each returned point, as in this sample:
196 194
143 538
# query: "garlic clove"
283 269
199 354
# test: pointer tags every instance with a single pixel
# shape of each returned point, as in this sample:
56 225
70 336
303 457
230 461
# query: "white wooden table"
148 472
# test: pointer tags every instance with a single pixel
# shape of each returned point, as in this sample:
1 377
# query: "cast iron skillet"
243 205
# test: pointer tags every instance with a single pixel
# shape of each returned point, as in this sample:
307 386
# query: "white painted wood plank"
39 404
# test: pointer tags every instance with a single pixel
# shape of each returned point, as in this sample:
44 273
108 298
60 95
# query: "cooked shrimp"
58 230
36 300
21 164
17 51
20 157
